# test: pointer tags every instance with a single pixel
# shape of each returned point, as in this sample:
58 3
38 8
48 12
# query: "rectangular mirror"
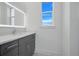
19 18
11 16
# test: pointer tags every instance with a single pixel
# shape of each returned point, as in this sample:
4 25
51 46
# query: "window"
47 13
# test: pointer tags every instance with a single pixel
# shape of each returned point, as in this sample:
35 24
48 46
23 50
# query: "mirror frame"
24 25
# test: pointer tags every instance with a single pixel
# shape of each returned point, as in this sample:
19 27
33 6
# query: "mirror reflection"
10 15
5 14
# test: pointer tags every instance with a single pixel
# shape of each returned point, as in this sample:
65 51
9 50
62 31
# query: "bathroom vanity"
18 45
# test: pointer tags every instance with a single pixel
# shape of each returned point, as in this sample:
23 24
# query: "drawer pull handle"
15 45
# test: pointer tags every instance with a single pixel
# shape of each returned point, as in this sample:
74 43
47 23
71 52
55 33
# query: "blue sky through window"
47 13
46 6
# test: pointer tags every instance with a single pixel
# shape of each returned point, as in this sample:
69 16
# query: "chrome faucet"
14 30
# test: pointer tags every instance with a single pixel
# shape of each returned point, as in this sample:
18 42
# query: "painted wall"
48 39
33 15
71 29
66 29
74 29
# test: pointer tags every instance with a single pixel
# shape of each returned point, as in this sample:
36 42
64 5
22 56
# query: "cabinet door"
10 49
22 49
30 47
27 45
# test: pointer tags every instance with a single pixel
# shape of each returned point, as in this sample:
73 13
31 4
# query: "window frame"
53 19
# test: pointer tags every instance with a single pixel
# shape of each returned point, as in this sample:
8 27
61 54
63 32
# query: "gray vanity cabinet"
27 45
9 49
24 46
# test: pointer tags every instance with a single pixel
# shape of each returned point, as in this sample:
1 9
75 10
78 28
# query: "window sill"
53 27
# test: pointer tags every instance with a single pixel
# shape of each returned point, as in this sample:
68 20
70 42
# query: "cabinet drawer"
9 47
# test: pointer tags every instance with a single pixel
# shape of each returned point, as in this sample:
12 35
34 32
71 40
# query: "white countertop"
11 37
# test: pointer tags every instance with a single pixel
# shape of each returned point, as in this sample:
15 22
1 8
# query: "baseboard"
44 52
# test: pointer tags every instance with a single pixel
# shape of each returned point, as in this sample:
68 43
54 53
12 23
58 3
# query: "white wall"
74 28
48 39
66 29
33 15
71 29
